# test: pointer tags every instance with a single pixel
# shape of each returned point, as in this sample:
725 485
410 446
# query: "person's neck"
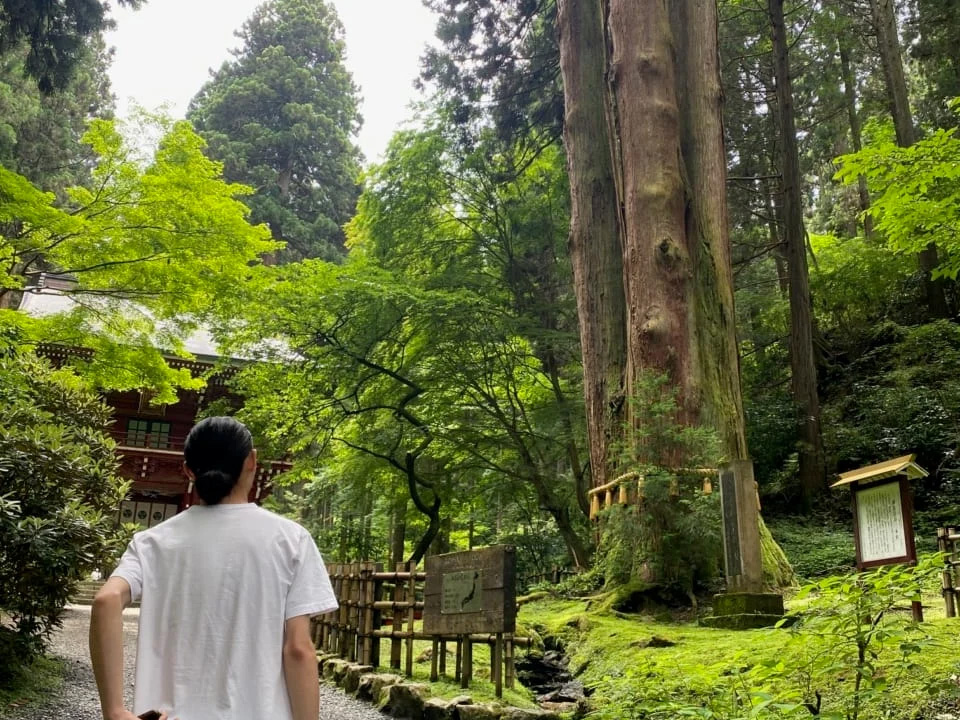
238 496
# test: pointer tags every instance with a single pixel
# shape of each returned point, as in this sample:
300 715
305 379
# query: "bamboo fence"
948 542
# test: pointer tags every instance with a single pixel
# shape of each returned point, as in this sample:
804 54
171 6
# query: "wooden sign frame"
494 569
906 511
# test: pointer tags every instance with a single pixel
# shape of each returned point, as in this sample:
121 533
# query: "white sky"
165 50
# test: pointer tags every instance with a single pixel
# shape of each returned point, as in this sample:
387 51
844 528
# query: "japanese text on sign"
880 523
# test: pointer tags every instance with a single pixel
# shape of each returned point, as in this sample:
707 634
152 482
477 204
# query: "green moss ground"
31 684
609 653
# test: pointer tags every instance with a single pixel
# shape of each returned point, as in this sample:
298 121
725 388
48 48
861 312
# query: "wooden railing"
377 604
627 489
948 542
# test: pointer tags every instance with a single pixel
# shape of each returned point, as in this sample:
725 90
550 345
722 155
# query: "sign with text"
470 592
883 523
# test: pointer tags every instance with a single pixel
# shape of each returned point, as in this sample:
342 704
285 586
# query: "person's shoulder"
167 526
285 524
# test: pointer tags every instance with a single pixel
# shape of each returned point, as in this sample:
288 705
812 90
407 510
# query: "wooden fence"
948 542
377 604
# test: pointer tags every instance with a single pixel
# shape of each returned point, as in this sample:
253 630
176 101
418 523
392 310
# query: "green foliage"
155 247
440 360
57 35
280 117
672 536
815 548
40 133
915 191
843 632
58 493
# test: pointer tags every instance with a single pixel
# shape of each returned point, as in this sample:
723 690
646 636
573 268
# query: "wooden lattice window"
148 433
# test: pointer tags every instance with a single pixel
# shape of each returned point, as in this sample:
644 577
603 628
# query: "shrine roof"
903 465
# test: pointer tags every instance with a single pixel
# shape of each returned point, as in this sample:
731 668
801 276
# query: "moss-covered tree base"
777 570
745 611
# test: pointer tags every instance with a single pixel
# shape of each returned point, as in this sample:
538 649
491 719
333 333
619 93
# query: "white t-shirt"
216 585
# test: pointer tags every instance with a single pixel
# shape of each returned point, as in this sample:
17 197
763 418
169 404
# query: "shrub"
58 492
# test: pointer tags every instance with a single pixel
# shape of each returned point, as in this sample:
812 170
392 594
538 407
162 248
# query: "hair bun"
214 485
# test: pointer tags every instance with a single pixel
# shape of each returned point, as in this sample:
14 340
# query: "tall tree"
595 227
56 34
281 116
888 45
41 133
667 161
802 363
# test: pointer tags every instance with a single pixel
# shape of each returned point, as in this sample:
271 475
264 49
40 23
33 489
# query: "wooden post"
466 672
434 675
366 657
353 611
498 665
411 616
459 668
396 647
342 624
377 615
443 657
510 667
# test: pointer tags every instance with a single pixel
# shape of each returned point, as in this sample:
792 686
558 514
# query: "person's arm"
300 669
106 646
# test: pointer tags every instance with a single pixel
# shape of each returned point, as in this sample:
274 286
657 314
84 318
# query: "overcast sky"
165 50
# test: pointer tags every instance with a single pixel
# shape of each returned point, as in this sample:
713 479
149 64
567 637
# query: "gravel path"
78 700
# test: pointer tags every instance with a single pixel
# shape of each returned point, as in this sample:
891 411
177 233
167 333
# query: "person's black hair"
215 451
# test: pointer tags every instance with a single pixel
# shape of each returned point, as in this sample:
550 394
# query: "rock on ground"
77 697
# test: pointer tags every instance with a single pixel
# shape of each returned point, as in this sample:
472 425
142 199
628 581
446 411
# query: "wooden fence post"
443 657
411 616
377 623
343 618
511 668
396 648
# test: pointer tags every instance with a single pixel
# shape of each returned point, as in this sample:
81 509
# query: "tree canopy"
281 116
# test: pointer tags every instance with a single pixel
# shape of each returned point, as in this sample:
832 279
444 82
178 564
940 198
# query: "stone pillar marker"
745 604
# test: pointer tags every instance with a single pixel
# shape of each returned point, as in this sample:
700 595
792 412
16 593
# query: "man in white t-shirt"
226 593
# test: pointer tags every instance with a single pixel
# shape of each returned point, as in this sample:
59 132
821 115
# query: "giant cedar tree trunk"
802 364
665 106
888 43
664 135
594 231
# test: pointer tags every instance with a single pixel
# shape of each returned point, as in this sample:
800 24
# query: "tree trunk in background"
399 534
802 363
850 98
888 43
595 250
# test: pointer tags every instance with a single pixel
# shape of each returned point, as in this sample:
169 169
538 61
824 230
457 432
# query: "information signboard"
470 592
883 523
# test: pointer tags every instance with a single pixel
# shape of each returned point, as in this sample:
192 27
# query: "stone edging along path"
396 697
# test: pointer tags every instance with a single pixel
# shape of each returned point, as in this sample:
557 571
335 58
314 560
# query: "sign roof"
897 466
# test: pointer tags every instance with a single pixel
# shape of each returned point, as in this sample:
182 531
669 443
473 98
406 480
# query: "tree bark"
856 133
595 249
888 42
802 362
398 536
705 161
